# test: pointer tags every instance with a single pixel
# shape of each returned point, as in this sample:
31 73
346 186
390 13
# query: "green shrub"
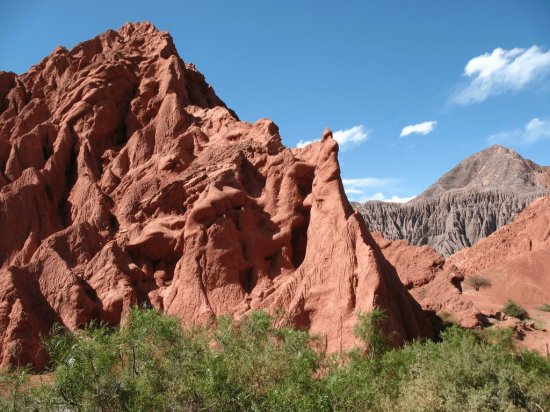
514 310
15 391
545 307
151 364
478 282
369 329
467 370
130 368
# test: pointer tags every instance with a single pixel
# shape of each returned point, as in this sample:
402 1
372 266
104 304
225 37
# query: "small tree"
478 282
369 330
514 310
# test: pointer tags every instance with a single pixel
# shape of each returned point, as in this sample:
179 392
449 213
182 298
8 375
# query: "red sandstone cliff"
516 260
125 180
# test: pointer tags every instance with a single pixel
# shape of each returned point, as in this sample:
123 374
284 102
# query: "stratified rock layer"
481 194
125 180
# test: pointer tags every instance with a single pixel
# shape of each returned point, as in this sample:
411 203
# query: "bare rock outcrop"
125 180
512 263
515 260
481 194
437 286
526 238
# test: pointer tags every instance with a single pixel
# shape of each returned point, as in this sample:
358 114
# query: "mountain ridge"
476 197
494 168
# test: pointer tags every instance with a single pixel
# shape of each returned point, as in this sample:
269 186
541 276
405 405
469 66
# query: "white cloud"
358 189
533 132
352 136
354 191
396 199
345 138
365 182
304 143
419 128
502 71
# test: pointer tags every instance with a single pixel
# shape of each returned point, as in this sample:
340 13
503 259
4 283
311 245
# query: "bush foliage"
514 310
151 364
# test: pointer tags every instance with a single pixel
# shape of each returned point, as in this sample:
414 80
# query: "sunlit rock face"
125 180
512 262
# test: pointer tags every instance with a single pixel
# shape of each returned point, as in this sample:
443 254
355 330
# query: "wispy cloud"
501 71
345 138
419 128
366 182
361 189
352 136
534 131
382 197
304 143
352 191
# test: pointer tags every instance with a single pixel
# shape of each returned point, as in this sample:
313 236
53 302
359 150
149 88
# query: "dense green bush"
466 371
544 307
514 310
151 364
369 329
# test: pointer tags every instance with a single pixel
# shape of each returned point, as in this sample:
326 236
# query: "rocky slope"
515 261
475 198
527 235
125 180
437 286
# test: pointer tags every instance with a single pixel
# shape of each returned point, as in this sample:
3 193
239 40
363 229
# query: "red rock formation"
515 258
125 180
436 286
515 261
530 231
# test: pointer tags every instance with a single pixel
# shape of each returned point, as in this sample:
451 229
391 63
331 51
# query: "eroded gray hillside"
479 195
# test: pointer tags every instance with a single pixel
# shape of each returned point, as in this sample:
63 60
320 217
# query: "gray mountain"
479 195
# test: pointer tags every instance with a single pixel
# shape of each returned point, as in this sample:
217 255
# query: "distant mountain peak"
496 147
494 168
480 194
498 150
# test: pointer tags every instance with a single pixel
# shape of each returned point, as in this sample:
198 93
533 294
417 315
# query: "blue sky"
462 74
